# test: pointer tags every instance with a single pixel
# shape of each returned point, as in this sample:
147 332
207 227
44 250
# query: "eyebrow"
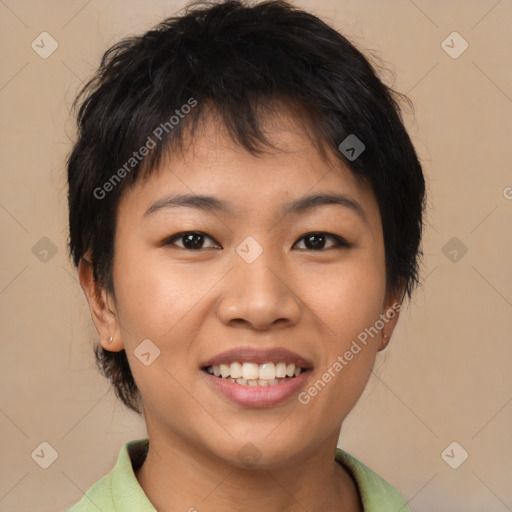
212 204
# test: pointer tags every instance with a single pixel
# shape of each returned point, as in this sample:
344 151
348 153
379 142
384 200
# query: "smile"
254 374
256 377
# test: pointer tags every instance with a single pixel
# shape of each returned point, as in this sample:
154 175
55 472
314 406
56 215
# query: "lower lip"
257 396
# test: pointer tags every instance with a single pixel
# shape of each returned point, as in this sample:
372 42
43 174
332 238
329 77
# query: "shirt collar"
127 493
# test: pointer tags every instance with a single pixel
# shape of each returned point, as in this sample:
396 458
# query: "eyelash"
339 242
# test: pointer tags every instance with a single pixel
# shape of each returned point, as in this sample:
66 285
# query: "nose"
258 295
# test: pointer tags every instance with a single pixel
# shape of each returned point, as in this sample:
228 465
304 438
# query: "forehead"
212 163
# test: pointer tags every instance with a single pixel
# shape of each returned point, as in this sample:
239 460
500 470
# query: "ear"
391 311
102 308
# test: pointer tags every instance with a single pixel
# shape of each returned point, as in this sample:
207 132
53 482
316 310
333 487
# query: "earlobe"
384 342
390 317
103 316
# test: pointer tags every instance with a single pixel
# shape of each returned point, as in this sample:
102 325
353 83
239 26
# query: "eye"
195 240
316 241
192 240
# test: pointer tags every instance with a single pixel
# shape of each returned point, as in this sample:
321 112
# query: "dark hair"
235 60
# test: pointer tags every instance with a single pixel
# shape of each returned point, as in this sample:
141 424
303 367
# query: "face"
255 275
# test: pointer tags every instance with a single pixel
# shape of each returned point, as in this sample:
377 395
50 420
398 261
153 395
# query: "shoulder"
377 495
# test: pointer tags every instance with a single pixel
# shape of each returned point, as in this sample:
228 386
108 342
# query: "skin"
193 304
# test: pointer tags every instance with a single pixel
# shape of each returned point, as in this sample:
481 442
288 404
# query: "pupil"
189 243
311 243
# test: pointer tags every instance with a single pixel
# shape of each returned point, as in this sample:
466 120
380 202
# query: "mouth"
251 369
254 374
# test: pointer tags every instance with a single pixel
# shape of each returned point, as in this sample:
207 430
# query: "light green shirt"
119 490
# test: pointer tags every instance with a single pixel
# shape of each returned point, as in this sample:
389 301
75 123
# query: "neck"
177 476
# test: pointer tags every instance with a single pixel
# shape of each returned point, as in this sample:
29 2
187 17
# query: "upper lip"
259 356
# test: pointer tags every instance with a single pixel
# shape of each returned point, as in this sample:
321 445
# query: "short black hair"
236 60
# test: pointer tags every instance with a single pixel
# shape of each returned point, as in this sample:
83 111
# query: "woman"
245 216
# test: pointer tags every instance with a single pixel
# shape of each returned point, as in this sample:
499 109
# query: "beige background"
446 375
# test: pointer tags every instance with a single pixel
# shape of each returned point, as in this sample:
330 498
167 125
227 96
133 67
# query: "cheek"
347 297
156 303
166 304
152 296
348 302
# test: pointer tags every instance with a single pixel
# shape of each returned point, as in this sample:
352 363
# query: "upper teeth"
254 371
